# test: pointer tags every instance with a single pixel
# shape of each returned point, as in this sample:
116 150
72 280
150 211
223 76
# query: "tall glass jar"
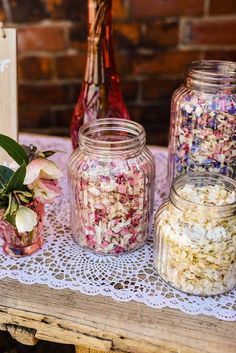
195 237
111 176
100 95
203 121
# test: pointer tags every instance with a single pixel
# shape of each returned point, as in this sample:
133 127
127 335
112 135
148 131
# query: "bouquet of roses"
26 184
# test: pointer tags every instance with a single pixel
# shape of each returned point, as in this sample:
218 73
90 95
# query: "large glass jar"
111 176
195 234
203 121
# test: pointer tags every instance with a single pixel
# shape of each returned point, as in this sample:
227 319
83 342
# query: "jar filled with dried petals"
203 121
111 176
195 235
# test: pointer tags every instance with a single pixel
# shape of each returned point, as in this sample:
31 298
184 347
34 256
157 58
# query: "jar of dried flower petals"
195 235
111 176
203 121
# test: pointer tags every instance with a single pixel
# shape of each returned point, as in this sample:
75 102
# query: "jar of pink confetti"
111 177
203 121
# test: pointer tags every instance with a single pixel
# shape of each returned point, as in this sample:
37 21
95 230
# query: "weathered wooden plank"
23 335
104 324
80 349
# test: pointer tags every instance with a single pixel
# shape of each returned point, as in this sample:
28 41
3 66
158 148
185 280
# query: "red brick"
66 9
209 32
161 33
32 118
46 94
156 116
123 63
119 9
227 55
171 62
27 11
50 38
75 87
126 34
129 90
152 8
2 13
159 89
71 66
218 7
78 36
62 117
35 68
155 119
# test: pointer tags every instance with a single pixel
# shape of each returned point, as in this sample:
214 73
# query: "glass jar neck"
112 137
203 210
212 76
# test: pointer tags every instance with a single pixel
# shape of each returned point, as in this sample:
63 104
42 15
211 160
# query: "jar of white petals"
111 176
195 235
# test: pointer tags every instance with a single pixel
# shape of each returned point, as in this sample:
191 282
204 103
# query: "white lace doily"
62 264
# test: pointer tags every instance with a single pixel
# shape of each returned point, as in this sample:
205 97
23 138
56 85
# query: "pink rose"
45 190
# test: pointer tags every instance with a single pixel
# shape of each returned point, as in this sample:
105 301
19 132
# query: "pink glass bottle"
100 95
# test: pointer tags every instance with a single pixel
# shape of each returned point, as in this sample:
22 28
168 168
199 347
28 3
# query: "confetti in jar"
111 177
195 235
203 121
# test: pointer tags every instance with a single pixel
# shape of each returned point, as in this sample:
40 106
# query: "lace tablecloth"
62 264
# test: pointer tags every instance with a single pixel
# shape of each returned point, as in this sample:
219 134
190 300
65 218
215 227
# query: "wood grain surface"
101 323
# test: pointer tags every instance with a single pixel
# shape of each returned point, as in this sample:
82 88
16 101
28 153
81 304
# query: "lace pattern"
62 264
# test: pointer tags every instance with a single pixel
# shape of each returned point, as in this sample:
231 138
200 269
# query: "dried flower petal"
198 252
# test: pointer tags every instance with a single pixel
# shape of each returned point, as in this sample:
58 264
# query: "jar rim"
178 199
111 135
212 74
214 67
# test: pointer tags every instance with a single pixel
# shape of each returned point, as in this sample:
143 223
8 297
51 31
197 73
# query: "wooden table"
104 324
32 312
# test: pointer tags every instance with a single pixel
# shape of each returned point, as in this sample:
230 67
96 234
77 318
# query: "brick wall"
154 42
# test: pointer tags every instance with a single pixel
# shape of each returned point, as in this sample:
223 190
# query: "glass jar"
18 244
195 238
203 121
111 176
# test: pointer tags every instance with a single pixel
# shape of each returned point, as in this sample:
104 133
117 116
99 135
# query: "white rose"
26 219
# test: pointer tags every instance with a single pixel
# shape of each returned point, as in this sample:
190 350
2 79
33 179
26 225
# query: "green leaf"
11 218
25 193
23 198
13 149
5 176
8 210
48 153
12 205
17 179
